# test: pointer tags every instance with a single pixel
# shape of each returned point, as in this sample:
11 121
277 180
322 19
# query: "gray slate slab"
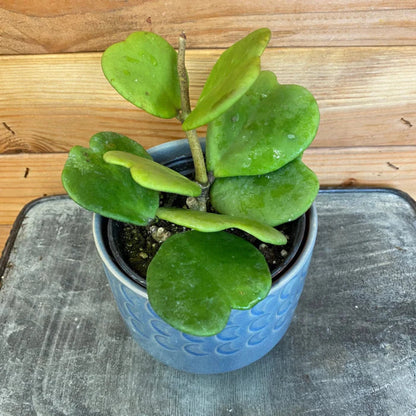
351 349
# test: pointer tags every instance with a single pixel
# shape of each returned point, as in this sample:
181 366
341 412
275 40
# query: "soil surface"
138 245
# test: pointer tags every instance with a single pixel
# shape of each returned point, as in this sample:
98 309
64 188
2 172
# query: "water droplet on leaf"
276 154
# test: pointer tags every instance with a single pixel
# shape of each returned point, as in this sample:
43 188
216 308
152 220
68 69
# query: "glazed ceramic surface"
249 334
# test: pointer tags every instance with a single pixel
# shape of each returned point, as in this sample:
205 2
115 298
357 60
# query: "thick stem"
192 136
198 157
183 78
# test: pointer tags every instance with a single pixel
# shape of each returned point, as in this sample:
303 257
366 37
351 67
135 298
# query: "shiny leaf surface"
107 189
274 198
268 127
193 286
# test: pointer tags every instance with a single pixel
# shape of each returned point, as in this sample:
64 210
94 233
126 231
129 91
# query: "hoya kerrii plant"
252 174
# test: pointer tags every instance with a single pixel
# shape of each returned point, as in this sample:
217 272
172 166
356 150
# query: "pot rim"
170 151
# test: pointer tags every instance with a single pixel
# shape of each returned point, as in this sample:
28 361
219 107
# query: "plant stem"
192 136
183 78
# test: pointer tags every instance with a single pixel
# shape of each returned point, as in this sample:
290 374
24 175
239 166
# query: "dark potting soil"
138 245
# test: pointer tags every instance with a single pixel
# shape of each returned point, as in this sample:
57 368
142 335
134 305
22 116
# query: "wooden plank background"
54 26
357 57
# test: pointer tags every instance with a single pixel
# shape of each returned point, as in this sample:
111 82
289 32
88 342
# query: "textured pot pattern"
249 334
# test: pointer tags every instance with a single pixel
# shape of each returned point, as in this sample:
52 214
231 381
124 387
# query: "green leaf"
274 198
143 69
196 278
210 222
153 175
232 75
268 127
107 189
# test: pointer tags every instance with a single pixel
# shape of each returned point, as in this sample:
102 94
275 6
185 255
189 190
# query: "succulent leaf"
274 198
210 222
107 189
153 175
268 127
193 286
143 69
232 75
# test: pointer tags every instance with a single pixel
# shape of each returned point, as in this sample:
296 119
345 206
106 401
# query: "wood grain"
49 103
4 235
45 26
25 177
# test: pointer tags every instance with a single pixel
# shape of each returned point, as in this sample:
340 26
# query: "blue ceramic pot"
249 334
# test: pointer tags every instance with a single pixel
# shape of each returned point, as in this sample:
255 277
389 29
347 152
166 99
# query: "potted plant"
207 303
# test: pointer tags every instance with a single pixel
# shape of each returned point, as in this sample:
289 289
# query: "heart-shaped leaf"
193 285
210 222
153 175
107 189
232 75
143 69
269 126
274 198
